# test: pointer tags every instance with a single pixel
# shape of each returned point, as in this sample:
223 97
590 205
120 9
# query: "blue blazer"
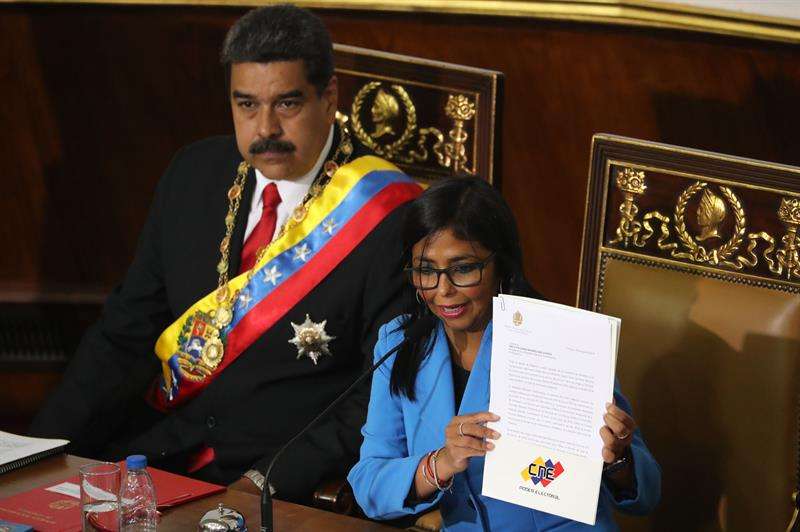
399 432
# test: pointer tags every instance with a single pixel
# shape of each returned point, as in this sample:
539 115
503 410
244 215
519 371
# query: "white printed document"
552 374
18 451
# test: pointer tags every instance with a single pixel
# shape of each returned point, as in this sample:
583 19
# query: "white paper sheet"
552 374
66 488
14 447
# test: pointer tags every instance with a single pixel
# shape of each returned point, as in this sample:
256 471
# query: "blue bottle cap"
136 461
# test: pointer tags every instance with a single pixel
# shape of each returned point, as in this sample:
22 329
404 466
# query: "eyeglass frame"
439 271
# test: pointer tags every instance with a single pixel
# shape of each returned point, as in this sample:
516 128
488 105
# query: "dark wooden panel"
93 112
95 99
36 341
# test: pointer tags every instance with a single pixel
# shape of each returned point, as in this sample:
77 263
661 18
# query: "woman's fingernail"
496 435
490 445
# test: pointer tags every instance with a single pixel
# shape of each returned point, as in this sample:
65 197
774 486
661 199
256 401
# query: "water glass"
100 484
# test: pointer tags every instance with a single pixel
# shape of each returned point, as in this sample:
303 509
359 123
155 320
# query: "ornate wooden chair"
698 254
433 120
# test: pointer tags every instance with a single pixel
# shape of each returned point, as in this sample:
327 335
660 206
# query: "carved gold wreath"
697 252
629 230
387 150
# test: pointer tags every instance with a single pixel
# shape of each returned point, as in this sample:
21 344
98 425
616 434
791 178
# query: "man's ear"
331 97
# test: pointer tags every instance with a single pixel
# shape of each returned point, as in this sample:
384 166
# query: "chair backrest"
432 119
698 254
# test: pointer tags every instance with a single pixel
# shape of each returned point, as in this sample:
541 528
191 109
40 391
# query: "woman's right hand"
465 437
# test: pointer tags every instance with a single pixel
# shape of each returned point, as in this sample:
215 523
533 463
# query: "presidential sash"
193 351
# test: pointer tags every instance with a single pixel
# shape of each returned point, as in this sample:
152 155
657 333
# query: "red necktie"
264 229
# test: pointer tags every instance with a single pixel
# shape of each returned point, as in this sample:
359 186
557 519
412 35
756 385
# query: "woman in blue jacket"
425 437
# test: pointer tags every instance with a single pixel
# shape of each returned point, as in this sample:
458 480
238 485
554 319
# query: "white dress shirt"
291 192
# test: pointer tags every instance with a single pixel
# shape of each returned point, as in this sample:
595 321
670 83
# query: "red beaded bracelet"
449 485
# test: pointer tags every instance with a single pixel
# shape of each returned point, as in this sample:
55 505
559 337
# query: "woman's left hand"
617 433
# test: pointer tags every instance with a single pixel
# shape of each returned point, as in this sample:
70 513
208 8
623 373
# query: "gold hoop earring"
419 297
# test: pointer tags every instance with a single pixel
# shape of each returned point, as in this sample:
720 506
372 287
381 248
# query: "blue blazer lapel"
476 399
435 404
476 394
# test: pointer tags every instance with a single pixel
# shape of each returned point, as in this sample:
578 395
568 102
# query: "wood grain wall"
95 99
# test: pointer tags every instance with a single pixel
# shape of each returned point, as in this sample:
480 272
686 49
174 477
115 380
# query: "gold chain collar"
223 315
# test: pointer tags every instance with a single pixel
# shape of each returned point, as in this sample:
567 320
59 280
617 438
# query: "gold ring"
623 436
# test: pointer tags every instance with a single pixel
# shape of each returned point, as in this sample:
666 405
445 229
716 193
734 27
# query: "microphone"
413 334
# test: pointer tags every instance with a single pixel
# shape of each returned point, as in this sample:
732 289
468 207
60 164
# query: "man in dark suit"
265 268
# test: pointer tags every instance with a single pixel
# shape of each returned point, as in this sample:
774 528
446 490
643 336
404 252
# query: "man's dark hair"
281 33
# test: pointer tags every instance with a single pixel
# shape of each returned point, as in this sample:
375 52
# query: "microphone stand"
266 496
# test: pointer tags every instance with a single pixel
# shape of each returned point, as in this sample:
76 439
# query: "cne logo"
517 318
542 472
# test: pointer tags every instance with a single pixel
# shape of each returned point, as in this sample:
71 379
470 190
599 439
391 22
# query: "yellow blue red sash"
357 198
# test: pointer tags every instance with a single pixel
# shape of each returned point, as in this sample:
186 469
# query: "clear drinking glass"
100 483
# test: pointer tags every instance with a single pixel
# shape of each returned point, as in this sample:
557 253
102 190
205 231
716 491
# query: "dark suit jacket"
267 394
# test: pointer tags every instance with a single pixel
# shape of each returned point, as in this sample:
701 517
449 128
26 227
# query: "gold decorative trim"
381 106
643 13
459 109
667 264
788 257
631 183
697 252
584 233
696 177
601 232
665 148
493 122
382 126
444 151
711 212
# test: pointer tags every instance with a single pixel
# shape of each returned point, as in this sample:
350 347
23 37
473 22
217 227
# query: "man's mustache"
271 145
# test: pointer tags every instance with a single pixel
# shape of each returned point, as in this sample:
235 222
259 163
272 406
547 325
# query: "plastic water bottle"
138 497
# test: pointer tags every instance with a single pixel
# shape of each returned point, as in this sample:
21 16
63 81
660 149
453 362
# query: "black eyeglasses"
461 275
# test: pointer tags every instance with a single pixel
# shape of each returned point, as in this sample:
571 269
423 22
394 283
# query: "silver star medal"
311 339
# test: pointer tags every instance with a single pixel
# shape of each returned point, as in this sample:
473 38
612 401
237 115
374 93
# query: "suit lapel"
476 399
435 404
476 394
237 238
